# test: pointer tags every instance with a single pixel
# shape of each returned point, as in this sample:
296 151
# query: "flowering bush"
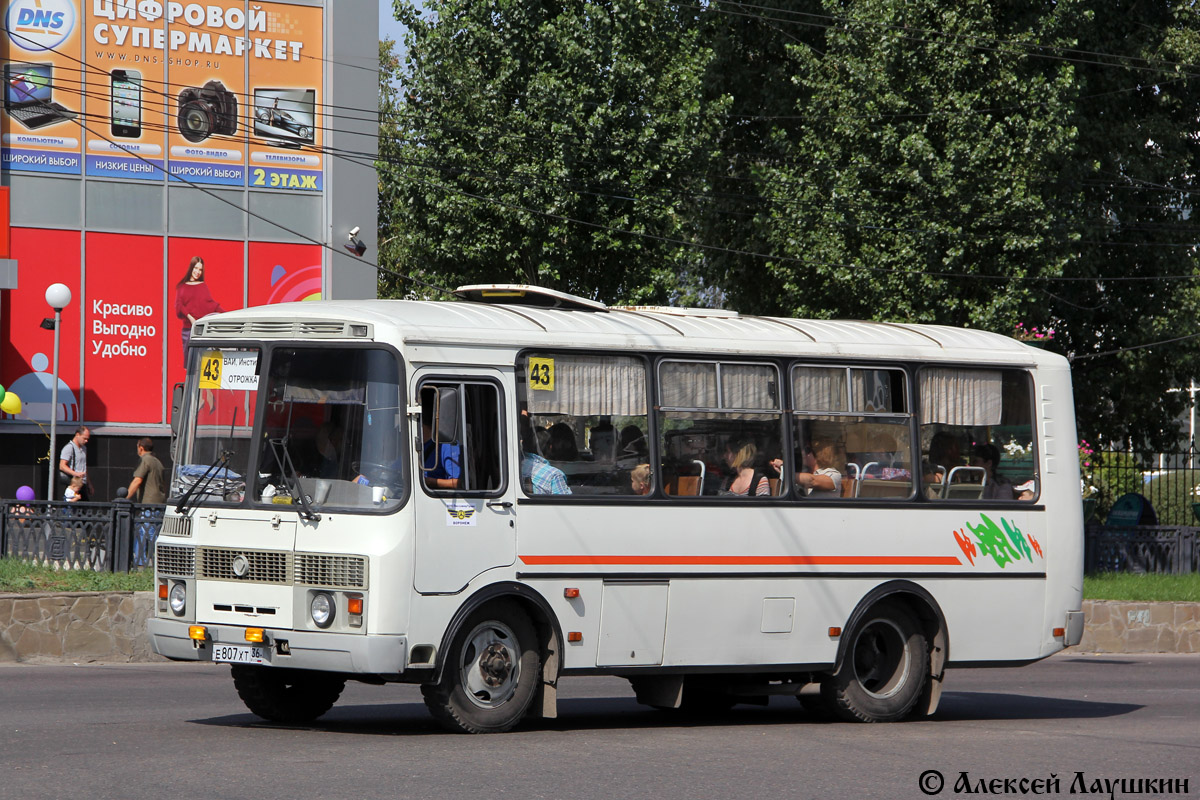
1088 462
1015 449
1032 333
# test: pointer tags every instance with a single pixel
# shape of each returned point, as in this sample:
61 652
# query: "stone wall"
1116 627
79 626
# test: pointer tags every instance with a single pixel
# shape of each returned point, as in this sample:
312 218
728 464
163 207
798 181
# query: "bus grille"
343 572
172 560
283 329
177 526
261 566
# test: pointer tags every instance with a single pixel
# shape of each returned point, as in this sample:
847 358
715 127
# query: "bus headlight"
178 598
321 610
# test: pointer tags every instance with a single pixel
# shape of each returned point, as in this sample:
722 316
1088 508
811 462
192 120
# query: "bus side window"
461 438
977 435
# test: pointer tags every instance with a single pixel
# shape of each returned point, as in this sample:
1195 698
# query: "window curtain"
749 386
819 389
961 396
688 384
592 385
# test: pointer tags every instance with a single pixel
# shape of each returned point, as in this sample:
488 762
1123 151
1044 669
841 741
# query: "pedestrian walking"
146 488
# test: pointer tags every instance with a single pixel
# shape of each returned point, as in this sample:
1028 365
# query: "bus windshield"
331 429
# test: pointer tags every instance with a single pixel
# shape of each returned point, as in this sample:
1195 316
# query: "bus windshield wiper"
204 480
292 477
210 474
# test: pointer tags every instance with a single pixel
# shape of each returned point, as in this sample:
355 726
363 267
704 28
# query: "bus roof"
662 329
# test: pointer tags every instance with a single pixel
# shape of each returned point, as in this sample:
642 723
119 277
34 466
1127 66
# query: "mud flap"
927 703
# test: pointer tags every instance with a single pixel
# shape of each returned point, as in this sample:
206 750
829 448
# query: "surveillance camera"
354 232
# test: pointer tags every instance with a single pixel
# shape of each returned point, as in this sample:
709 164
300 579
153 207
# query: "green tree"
974 164
546 143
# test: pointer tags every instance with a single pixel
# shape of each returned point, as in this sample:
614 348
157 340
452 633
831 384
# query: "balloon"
25 494
11 404
1 393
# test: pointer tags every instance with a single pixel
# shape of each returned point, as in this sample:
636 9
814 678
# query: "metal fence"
105 537
1170 549
1169 482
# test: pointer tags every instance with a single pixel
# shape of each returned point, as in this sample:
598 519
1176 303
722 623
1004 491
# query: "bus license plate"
239 654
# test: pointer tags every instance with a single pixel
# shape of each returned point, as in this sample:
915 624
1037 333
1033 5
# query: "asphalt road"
167 731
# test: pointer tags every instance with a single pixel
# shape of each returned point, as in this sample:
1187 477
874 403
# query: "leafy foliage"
970 163
19 576
546 143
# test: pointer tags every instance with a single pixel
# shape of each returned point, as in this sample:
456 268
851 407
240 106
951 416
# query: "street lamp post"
58 297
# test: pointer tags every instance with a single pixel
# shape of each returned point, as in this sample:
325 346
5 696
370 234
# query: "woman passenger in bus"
819 478
745 479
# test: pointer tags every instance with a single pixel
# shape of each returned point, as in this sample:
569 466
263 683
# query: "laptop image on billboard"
28 95
285 116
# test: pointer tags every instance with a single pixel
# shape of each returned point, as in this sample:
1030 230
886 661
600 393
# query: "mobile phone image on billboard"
285 117
126 103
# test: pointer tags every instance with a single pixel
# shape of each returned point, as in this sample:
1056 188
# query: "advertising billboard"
285 97
43 89
202 91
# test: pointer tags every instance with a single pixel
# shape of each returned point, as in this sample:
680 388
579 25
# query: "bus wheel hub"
495 664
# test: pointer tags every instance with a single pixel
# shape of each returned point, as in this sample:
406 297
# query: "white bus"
483 497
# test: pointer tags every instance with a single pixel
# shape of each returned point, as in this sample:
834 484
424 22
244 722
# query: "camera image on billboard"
285 116
206 111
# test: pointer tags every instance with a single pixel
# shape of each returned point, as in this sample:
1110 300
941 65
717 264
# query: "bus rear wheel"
884 668
490 674
287 695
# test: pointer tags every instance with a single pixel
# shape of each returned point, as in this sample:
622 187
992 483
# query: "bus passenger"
745 479
538 475
640 480
819 477
987 456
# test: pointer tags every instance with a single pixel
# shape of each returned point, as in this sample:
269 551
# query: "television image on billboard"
285 116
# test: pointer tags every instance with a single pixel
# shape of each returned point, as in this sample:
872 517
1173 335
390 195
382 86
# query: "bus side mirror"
176 404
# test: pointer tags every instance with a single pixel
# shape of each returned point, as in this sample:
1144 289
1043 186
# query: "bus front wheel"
287 695
884 668
491 672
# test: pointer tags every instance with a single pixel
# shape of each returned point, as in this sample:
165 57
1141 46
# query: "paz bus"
486 496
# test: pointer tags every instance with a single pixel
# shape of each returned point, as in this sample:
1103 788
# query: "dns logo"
39 25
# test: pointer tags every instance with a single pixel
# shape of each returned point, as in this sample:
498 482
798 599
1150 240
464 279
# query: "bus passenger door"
464 498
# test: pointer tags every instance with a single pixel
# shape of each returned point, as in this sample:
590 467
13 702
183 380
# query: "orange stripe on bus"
916 561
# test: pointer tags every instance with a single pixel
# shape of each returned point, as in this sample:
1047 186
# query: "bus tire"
491 672
287 695
884 669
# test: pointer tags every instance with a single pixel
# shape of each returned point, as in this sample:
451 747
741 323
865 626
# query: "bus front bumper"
330 652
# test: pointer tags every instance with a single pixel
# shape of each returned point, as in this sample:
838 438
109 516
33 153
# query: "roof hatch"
522 295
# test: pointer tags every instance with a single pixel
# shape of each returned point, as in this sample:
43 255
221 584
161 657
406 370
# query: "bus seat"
964 491
849 487
774 482
873 487
689 486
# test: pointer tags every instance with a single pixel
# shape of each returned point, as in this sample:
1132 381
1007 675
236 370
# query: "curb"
1112 626
111 626
76 626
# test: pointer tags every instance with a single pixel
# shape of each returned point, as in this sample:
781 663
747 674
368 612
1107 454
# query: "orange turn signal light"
354 605
570 593
254 634
575 636
835 633
197 632
162 591
1059 633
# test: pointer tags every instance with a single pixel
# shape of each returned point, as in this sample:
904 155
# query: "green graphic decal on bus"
1004 546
